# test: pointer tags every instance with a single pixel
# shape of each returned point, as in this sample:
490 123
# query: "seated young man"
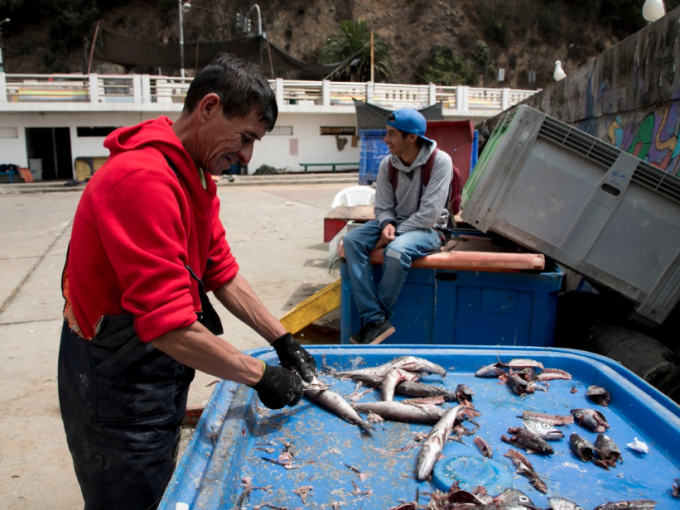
411 221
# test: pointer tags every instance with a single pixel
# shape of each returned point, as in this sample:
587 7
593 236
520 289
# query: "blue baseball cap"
409 120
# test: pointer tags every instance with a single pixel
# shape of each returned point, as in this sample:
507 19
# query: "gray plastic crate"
590 206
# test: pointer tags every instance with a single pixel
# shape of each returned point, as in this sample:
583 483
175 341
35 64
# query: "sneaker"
373 333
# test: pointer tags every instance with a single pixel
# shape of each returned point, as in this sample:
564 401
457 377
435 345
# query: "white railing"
145 89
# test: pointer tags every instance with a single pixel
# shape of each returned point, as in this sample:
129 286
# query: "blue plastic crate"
229 439
373 151
439 306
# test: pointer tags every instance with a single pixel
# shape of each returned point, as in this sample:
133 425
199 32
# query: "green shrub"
445 68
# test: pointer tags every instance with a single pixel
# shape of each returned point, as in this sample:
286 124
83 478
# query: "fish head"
513 497
542 429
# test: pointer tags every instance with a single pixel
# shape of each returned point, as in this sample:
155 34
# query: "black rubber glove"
294 357
279 387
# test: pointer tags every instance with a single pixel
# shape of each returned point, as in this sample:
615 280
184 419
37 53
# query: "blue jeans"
375 303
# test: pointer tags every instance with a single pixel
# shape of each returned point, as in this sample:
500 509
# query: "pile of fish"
522 376
401 376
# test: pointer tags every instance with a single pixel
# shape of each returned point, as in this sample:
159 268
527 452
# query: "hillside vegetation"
445 41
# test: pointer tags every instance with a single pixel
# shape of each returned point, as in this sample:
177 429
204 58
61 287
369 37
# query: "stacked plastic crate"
373 150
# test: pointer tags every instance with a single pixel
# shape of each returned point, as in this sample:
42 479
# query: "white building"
59 118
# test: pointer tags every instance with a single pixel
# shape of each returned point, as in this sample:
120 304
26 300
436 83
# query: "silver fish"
408 389
583 449
675 488
409 363
526 439
590 419
552 419
638 504
396 411
563 504
337 405
433 445
493 370
522 363
608 450
548 374
483 447
543 430
599 395
392 378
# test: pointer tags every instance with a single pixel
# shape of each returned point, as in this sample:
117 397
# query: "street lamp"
181 38
259 18
6 20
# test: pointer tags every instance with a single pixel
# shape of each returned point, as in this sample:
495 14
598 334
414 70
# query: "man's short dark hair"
241 86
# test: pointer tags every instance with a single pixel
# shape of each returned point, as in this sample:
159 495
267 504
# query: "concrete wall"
629 96
274 150
312 147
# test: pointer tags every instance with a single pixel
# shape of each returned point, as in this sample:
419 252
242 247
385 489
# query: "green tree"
445 68
355 41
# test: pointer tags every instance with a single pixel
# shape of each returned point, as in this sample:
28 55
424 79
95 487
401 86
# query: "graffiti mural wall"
629 96
649 135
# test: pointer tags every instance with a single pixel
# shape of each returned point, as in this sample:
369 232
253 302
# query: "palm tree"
355 41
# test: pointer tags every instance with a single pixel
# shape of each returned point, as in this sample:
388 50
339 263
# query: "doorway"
53 146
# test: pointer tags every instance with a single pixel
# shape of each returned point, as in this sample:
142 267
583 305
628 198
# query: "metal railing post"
93 88
3 88
432 94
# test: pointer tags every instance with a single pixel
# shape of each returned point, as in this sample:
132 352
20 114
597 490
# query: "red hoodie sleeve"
223 266
141 227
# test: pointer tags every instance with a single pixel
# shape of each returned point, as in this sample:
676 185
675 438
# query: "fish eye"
524 499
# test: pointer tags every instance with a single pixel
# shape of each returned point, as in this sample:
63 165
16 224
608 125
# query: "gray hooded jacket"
413 206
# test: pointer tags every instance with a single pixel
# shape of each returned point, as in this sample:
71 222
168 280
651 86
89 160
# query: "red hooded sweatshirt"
137 226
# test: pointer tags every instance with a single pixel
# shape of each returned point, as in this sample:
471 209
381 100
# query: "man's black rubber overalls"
122 402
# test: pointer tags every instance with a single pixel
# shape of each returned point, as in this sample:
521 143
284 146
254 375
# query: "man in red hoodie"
146 247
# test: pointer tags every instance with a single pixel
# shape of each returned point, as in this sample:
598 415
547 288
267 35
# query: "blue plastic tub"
439 306
234 433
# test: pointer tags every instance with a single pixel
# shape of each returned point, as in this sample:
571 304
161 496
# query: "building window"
8 132
84 132
281 131
338 130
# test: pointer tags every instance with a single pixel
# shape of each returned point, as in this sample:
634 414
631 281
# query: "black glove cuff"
282 342
266 379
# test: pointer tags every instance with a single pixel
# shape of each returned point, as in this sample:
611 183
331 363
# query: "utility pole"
181 40
372 64
6 20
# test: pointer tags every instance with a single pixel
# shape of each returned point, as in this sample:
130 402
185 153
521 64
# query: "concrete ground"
276 233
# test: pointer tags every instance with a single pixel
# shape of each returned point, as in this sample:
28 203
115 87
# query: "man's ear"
209 106
412 138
